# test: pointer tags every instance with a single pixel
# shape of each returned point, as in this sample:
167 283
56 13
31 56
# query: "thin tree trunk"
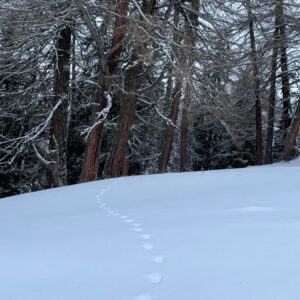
91 161
189 41
253 54
57 172
272 98
184 130
286 119
149 5
290 143
171 129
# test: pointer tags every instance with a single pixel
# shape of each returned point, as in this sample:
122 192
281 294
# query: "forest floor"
215 235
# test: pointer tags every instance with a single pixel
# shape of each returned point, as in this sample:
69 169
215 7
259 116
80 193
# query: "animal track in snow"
145 236
148 246
158 259
154 277
143 297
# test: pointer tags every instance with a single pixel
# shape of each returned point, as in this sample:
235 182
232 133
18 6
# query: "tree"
272 97
58 144
107 67
254 60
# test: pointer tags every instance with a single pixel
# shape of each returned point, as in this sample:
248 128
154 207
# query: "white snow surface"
215 235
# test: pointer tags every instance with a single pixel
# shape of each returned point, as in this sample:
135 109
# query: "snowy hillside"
217 235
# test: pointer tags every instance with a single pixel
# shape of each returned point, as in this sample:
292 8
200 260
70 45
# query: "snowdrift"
216 235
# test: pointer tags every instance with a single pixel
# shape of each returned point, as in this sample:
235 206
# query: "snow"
229 234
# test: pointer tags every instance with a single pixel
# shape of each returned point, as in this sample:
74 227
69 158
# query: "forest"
93 89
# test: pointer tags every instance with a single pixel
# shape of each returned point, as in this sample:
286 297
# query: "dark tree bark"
289 149
90 167
108 68
57 172
116 164
184 130
254 61
149 6
117 158
191 24
286 119
272 98
171 129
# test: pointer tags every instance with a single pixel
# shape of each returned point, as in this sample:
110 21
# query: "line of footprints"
154 277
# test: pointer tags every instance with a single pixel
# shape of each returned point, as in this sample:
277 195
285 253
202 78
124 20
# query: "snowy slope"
217 235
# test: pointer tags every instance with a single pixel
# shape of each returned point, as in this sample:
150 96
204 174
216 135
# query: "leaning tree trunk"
289 149
57 172
272 98
91 161
257 86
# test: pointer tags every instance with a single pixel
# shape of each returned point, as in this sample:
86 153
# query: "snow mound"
229 234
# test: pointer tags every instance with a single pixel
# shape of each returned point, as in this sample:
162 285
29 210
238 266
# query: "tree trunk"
90 167
289 149
189 41
116 159
272 98
286 119
169 136
149 6
57 172
91 161
257 86
184 130
116 163
171 129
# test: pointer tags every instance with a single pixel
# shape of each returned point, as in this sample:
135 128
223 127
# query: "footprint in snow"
145 236
154 277
128 220
143 297
148 246
158 259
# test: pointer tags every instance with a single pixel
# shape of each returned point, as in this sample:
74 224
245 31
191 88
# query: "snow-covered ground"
217 235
